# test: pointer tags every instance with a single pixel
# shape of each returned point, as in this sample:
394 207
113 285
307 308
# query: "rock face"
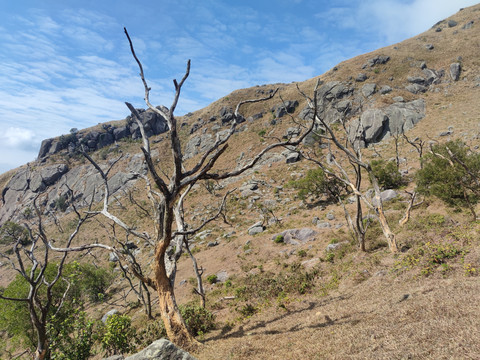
153 123
158 350
54 182
375 124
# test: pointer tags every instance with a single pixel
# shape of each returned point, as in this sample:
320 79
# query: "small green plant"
279 239
330 256
247 310
470 270
262 133
212 279
302 253
61 203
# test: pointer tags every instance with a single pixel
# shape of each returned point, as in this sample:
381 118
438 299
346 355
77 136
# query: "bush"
11 232
93 282
317 184
452 184
198 319
61 203
72 338
387 174
278 239
119 336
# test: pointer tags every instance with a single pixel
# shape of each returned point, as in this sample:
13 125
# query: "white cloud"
19 138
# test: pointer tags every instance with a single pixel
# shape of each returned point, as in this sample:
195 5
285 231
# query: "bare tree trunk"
387 232
176 328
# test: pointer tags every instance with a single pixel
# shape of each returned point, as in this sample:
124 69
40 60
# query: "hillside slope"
284 301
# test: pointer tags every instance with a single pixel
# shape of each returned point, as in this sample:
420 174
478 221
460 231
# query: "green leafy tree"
451 172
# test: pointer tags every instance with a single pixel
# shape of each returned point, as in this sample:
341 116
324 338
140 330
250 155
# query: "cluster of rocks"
153 123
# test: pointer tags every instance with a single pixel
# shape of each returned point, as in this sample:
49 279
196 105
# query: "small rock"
429 47
385 89
333 247
330 216
256 228
468 25
361 77
212 243
222 276
452 23
323 225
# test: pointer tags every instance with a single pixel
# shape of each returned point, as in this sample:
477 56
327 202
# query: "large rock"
282 109
455 70
47 176
161 350
373 122
376 124
44 148
297 236
369 89
198 144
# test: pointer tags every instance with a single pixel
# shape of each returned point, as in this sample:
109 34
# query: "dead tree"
352 153
30 260
167 204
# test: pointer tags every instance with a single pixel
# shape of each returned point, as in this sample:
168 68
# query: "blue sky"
66 64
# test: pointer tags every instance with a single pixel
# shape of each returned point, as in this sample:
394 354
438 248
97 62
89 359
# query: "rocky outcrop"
54 182
375 124
158 350
90 140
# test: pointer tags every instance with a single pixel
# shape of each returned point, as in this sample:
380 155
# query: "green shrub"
198 319
278 239
119 336
72 338
387 174
247 310
11 232
317 184
61 203
302 253
450 181
93 282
